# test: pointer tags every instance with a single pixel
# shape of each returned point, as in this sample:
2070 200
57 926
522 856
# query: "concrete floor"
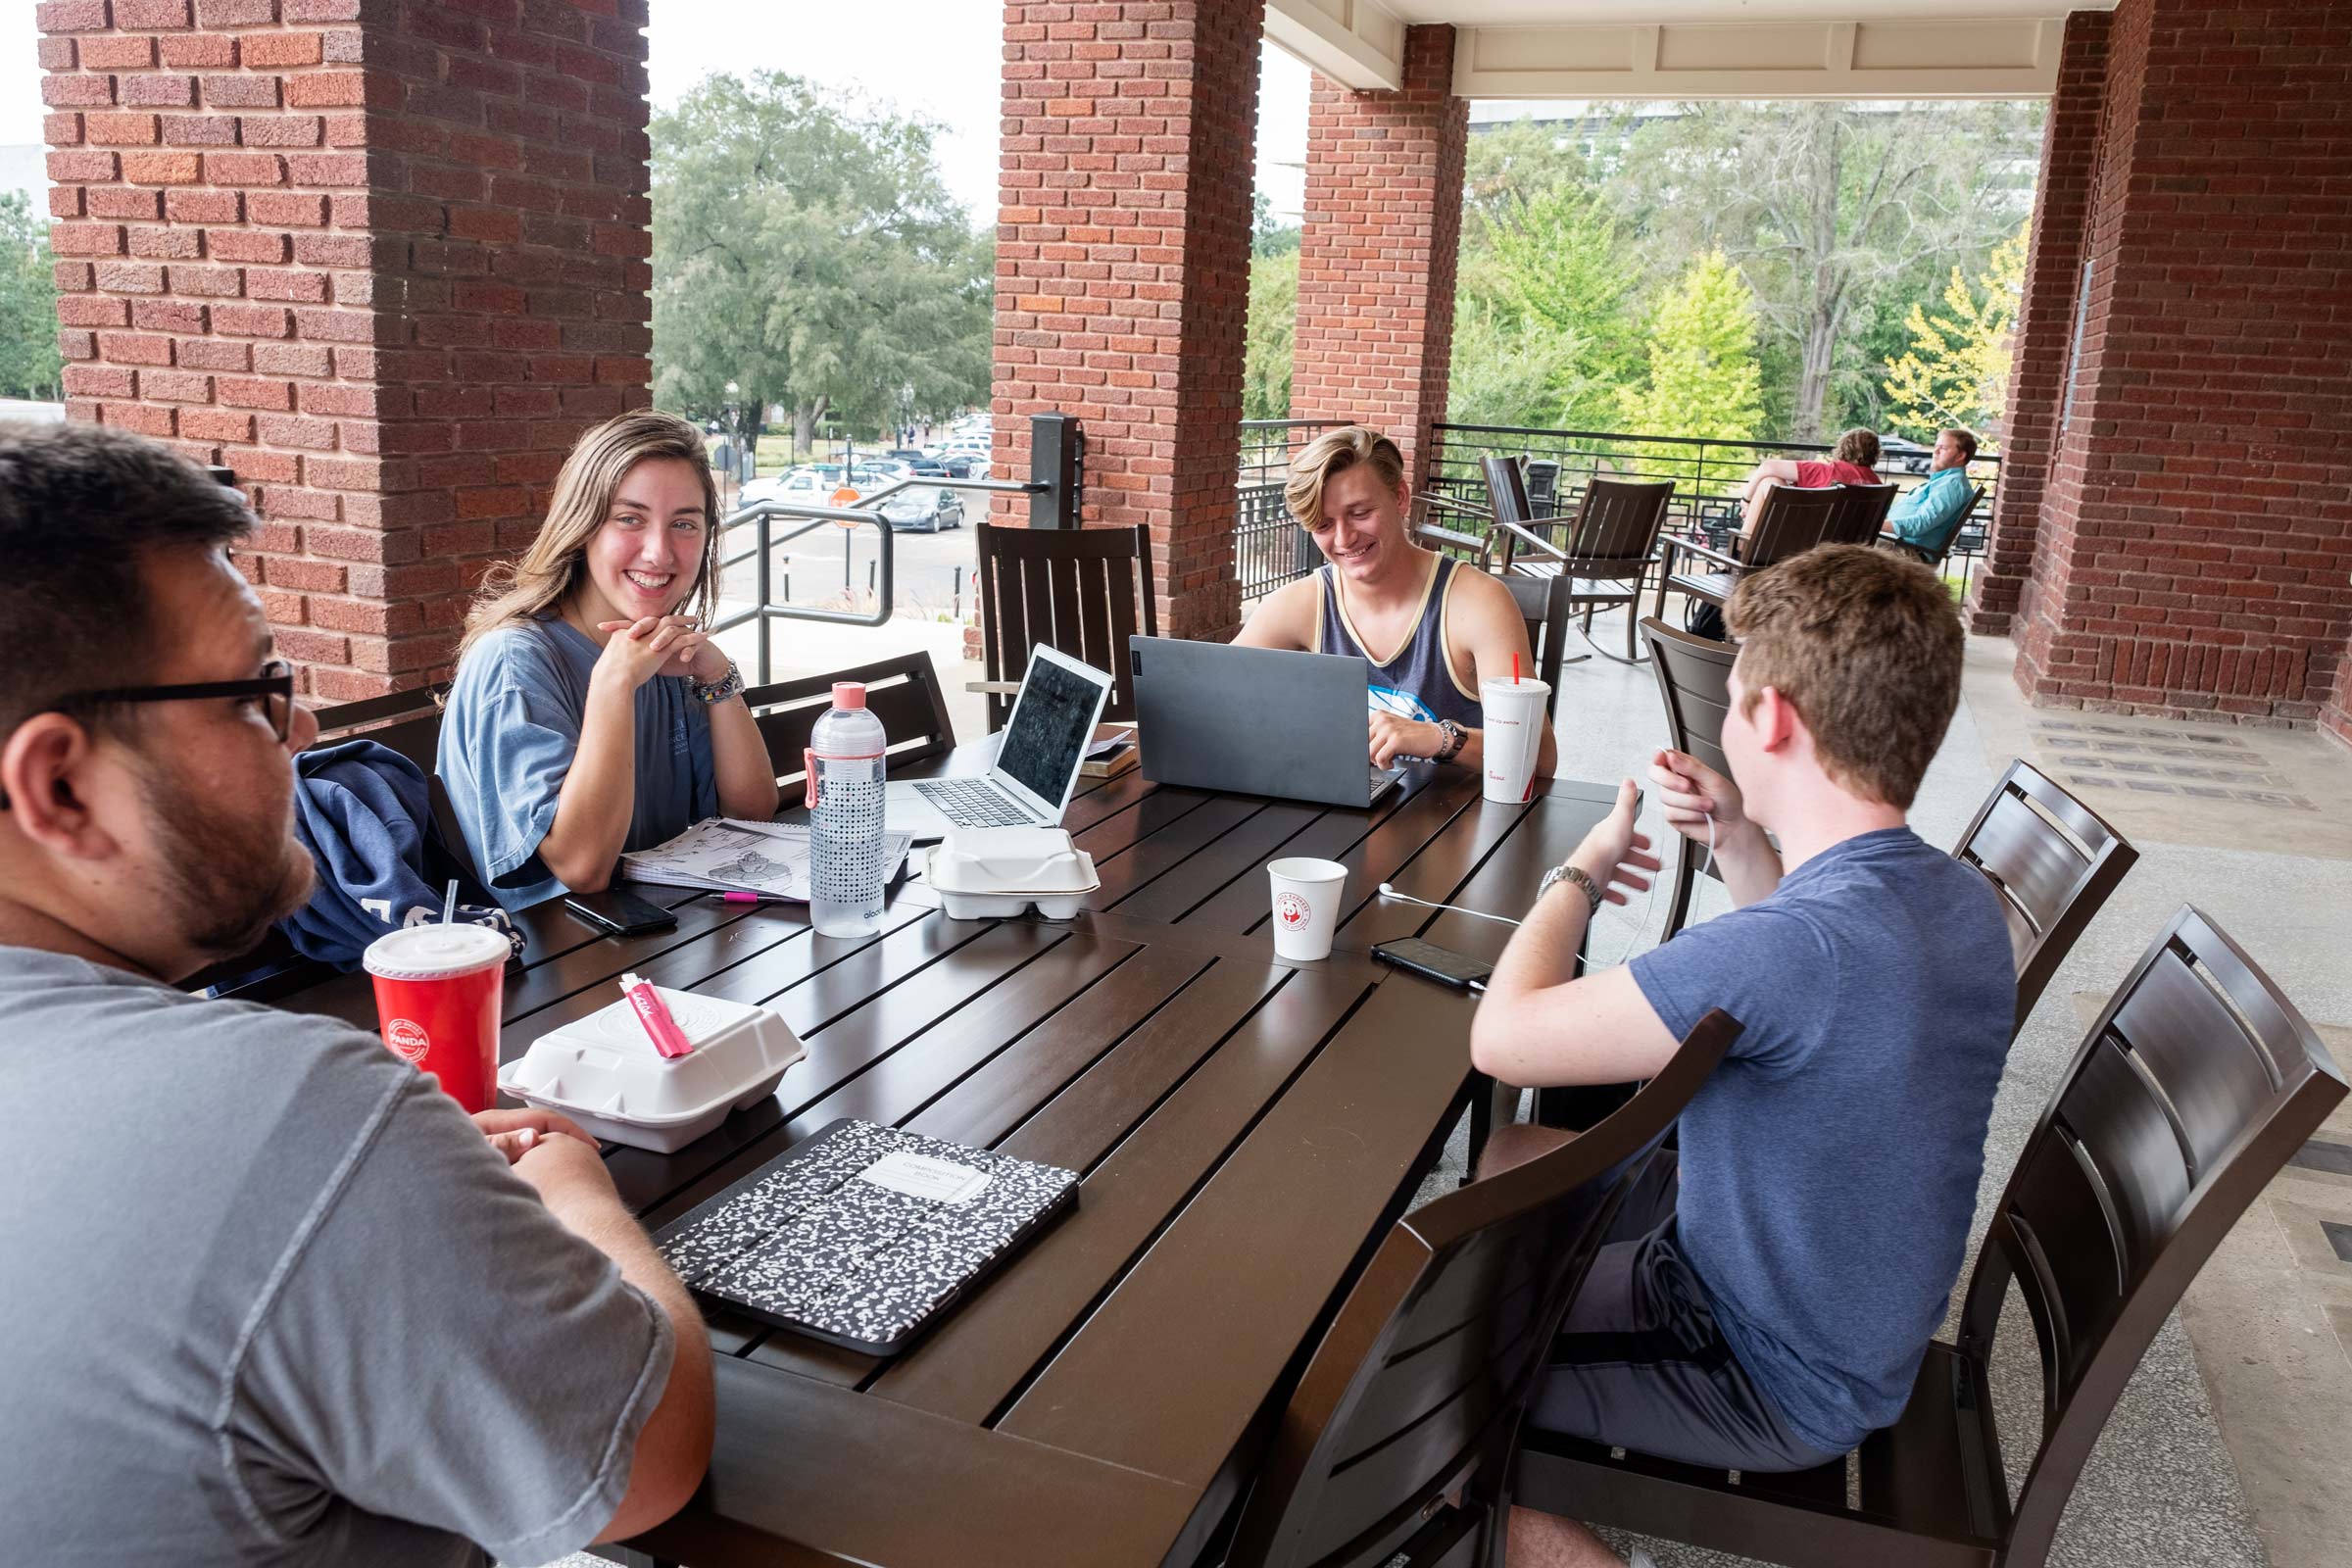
2233 1446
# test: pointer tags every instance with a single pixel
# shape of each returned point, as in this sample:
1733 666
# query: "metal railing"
1268 548
1707 475
764 518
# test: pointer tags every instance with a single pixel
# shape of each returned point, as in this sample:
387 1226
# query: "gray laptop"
1256 720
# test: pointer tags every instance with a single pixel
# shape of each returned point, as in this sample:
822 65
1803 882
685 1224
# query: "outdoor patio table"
1247 1129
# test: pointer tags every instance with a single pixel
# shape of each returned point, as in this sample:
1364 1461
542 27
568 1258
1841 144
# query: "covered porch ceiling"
1675 49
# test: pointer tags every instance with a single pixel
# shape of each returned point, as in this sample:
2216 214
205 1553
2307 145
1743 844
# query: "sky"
938 58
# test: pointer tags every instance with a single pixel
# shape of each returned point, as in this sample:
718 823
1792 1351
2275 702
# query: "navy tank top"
1418 682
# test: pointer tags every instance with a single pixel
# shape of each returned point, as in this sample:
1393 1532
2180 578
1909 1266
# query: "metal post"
765 600
1056 460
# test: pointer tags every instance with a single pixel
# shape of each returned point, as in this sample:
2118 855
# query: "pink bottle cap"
849 694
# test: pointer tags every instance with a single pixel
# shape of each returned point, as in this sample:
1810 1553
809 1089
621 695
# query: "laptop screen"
1051 726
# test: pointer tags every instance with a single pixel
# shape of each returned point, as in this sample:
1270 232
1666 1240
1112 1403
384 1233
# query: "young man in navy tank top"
1432 629
1770 1306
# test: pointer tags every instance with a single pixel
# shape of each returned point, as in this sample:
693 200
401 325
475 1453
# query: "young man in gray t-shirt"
271 1297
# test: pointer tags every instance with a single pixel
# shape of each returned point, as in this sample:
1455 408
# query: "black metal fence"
1268 548
1707 476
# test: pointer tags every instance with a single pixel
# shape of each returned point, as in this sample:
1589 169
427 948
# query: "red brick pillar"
1374 338
1123 270
2196 530
2045 319
383 261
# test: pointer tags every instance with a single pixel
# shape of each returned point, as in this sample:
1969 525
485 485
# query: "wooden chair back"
1421 1378
2188 1096
2053 861
1613 534
1546 604
1694 675
904 693
1793 521
1076 590
1859 514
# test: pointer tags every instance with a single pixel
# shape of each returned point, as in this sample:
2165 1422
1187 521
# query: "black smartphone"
1432 962
619 913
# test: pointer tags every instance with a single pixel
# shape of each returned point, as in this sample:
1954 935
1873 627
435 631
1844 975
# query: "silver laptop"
1045 739
1256 721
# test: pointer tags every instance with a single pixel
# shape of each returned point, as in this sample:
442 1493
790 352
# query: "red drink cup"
437 994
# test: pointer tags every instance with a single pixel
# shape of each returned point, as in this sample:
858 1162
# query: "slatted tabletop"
1246 1128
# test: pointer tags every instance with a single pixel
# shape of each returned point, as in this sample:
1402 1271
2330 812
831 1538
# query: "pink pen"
668 1038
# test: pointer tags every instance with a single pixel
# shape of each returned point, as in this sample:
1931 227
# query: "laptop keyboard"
972 803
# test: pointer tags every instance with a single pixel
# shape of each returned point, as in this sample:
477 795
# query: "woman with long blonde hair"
592 713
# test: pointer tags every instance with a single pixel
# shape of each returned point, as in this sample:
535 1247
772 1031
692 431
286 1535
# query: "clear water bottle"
844 816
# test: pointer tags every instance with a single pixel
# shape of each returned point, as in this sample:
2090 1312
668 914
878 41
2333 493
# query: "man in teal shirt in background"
1923 520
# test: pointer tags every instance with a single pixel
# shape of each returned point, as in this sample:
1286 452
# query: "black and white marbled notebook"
862 1233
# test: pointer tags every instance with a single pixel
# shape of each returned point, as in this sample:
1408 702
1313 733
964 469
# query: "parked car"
924 465
818 482
923 509
1898 455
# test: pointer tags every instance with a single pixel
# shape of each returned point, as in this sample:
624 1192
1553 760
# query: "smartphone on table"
1432 962
619 913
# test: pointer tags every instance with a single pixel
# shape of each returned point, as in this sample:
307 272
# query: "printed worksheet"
724 855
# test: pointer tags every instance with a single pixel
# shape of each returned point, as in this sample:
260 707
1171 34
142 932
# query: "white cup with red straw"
1514 733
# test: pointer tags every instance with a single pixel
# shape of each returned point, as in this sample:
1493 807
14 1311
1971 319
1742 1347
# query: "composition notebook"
863 1233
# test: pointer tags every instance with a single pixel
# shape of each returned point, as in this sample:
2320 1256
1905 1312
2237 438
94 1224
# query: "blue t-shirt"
509 735
1829 1168
1928 517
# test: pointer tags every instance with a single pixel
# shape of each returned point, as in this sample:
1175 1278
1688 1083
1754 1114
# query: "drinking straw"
1514 669
449 904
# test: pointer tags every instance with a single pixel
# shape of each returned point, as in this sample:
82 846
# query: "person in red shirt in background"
1853 461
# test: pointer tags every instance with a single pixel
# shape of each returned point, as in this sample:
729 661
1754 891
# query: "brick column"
385 262
1374 339
1123 270
2045 319
2196 530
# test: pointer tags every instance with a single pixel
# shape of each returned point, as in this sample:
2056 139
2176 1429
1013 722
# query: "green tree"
1956 371
1542 333
1834 213
808 252
1703 378
1272 322
29 364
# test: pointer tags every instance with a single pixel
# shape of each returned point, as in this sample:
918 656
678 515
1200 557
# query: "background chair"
1793 521
2053 861
1975 499
1695 684
1860 513
2187 1096
1419 1383
1547 605
903 692
1606 547
1073 589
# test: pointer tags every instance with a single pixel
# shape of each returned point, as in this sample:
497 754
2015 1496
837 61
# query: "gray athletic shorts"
1639 1364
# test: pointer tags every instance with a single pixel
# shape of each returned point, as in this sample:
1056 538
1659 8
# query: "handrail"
763 515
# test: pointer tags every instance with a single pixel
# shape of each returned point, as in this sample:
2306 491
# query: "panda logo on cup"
1292 911
408 1039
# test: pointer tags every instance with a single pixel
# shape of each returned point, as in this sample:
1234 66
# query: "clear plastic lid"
435 951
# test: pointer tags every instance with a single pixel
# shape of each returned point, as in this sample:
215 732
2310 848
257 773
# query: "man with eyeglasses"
271 1296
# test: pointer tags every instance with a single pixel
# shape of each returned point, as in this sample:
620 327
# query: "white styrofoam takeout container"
603 1072
987 873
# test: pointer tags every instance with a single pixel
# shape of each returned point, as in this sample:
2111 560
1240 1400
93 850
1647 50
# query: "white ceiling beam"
1357 43
1949 58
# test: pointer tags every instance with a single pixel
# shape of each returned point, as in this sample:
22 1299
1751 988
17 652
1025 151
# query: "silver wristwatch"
1574 874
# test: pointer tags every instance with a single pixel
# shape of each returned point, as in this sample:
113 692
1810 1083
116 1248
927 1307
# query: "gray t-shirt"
512 729
270 1298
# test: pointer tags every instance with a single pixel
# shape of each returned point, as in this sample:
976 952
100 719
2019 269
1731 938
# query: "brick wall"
384 260
2195 536
1374 338
1123 268
2045 319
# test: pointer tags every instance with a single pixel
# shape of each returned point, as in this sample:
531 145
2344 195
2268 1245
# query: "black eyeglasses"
275 685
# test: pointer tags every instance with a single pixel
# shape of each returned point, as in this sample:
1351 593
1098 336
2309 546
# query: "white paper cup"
1514 735
1306 906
